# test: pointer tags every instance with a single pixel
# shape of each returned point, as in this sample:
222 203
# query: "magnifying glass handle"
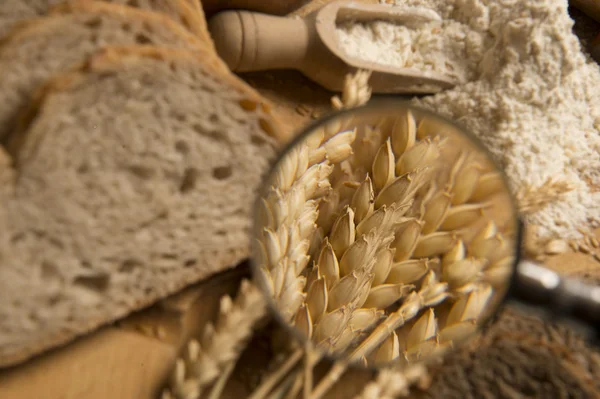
558 297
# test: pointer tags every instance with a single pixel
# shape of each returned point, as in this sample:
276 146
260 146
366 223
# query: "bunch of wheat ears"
381 240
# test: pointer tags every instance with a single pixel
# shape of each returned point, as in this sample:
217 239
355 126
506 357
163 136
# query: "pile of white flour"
533 98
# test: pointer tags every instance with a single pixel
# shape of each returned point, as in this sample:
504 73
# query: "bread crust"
13 13
189 12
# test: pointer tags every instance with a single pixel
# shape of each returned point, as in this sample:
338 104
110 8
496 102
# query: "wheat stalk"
220 345
390 383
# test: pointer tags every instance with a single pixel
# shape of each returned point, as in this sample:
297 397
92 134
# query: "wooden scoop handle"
249 41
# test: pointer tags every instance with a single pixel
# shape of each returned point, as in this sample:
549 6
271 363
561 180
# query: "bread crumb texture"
135 177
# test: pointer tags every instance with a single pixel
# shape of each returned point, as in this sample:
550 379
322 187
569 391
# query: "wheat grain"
220 344
491 249
383 265
385 218
401 189
406 239
362 202
332 324
489 184
557 246
343 233
460 216
435 244
388 351
403 132
383 166
421 338
384 295
466 181
585 249
409 271
422 154
462 318
434 211
350 290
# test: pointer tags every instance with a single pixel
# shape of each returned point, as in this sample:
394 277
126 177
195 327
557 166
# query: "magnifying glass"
387 233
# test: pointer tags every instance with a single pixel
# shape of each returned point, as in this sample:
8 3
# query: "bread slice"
47 45
186 12
135 177
13 11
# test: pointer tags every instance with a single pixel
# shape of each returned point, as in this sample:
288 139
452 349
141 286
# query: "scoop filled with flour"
440 47
529 93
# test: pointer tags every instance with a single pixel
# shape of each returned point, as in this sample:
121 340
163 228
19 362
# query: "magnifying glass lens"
384 234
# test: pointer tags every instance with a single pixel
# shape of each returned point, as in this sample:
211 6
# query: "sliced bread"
14 11
135 177
43 46
186 12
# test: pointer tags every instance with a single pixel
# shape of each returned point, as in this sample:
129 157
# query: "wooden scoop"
250 41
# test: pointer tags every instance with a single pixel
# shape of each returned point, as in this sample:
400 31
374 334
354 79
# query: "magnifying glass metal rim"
387 107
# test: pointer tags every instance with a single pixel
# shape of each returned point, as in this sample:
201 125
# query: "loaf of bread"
43 46
131 177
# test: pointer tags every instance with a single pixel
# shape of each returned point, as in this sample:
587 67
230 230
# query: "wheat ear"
468 270
356 91
327 146
532 199
220 345
350 285
431 294
289 214
290 224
